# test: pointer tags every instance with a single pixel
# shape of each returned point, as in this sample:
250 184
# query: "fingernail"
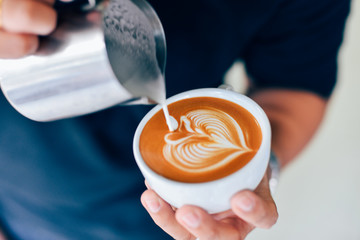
245 204
191 220
153 205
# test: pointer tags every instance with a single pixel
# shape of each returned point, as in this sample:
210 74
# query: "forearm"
294 116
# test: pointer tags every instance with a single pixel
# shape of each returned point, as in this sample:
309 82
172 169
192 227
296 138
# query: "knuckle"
20 46
188 236
269 224
274 218
211 234
27 44
271 219
266 215
164 221
51 23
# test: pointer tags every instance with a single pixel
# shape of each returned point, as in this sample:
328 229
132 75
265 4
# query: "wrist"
273 172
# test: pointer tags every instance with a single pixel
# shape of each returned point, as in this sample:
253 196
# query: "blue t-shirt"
77 178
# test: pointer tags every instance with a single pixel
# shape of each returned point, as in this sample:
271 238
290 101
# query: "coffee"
215 138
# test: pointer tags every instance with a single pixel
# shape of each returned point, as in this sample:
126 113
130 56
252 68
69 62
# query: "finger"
163 215
204 226
28 16
94 17
17 45
49 2
254 209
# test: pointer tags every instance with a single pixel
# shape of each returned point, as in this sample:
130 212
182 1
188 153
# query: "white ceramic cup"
213 196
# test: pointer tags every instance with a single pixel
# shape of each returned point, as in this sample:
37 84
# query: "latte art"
215 138
206 139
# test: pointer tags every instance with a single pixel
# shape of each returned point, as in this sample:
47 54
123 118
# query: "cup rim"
229 95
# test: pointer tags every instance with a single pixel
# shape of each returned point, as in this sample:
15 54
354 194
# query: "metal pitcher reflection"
112 53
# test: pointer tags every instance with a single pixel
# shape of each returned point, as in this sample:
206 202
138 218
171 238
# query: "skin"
294 116
22 22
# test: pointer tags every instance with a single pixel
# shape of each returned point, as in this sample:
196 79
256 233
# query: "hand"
2 236
248 210
22 21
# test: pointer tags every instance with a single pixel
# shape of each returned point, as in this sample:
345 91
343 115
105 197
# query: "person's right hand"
21 22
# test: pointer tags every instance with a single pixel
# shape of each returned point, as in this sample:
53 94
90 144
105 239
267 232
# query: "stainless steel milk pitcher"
85 66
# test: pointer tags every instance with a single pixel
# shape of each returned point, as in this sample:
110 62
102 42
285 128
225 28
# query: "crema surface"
215 138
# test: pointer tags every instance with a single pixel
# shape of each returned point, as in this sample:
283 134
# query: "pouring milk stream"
130 34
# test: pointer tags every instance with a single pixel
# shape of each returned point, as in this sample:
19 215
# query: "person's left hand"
248 210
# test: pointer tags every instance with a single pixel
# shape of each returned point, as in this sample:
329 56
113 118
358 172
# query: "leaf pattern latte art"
206 140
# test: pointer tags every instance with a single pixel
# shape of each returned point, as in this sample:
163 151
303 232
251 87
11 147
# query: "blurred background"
318 196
